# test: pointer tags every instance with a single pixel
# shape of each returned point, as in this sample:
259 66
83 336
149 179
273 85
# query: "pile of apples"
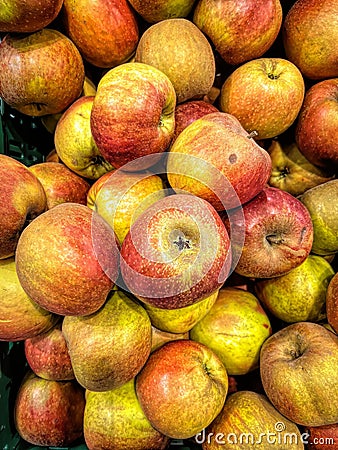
170 267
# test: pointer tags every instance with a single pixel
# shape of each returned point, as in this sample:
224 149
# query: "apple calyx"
274 239
299 348
182 243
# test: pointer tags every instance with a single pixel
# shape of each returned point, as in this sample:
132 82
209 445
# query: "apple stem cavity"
274 239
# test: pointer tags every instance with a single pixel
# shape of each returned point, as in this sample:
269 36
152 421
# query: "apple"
23 198
61 185
216 159
120 197
74 143
278 234
299 295
321 203
20 317
309 36
50 121
49 413
114 419
321 438
248 420
160 337
67 260
292 171
133 114
290 362
316 132
239 31
188 111
176 253
180 320
40 73
235 328
105 31
108 348
182 388
47 355
158 10
188 59
273 100
27 16
332 303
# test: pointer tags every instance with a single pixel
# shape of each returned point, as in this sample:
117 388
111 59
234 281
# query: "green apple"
183 319
300 294
108 348
321 202
74 142
114 419
291 171
234 328
179 49
249 421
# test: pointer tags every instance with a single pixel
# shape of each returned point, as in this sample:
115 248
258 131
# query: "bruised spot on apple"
176 253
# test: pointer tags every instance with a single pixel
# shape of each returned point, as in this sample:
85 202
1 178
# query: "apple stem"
252 134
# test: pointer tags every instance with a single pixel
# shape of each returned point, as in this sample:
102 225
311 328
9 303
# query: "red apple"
133 114
49 413
23 198
157 10
332 303
26 16
215 159
310 34
317 126
20 317
240 31
47 355
290 361
105 31
67 260
61 185
278 234
189 111
182 388
321 438
40 73
265 95
176 253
